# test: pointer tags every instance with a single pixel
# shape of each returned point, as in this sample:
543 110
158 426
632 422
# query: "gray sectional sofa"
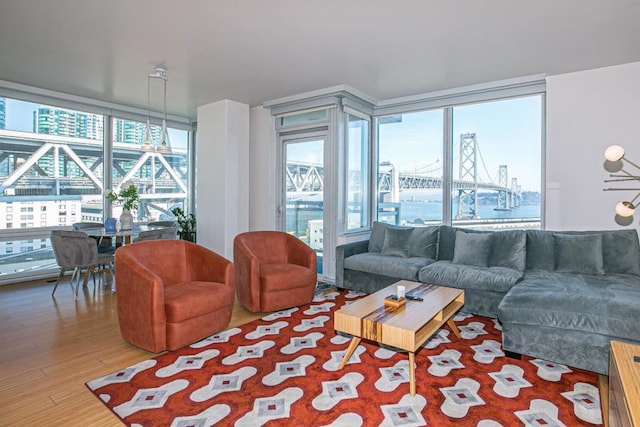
559 295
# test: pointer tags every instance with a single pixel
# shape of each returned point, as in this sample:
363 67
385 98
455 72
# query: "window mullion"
447 167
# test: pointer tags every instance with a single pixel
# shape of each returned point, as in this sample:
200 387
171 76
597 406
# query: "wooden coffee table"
624 385
406 327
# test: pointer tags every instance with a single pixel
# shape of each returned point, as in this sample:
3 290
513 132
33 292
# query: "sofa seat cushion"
181 306
608 305
376 263
445 273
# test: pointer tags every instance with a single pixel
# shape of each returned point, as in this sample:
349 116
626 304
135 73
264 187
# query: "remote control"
636 359
413 297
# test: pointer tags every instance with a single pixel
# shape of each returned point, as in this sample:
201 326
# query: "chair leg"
77 273
57 281
90 271
113 277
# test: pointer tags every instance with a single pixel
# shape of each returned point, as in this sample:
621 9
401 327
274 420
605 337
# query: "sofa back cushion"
423 241
396 242
509 249
620 250
376 239
578 253
472 248
446 242
540 250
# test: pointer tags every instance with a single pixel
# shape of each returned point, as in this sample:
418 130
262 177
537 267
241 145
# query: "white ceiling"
252 51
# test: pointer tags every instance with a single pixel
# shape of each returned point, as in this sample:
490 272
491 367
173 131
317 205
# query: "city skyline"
24 116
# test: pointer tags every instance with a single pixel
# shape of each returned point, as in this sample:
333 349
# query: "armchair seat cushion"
180 304
280 277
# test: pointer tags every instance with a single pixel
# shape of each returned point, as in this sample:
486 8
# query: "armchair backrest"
73 249
270 247
165 258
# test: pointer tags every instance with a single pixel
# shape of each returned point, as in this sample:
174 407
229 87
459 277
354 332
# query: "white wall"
586 112
262 161
222 174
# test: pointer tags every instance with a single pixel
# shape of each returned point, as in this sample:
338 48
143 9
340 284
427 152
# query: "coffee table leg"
352 347
453 327
412 373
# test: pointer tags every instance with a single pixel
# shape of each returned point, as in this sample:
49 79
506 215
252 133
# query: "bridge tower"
504 204
467 200
515 194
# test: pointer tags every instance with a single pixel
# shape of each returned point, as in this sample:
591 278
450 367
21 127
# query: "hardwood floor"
50 346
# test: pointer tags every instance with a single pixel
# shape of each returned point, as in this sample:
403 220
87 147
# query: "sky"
507 132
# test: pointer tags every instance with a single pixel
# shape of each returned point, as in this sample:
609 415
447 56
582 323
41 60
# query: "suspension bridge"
308 177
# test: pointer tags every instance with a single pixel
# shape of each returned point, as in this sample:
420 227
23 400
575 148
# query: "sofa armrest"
345 251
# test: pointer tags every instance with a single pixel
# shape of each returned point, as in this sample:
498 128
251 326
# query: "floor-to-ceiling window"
357 161
495 167
160 174
410 168
55 163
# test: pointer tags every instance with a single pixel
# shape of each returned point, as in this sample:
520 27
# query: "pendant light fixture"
165 145
148 138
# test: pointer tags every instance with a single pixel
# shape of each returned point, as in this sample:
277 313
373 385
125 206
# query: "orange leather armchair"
172 293
274 270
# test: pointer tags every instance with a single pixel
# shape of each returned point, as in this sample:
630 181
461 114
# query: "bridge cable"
483 163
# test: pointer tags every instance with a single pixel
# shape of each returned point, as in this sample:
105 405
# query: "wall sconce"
615 153
165 145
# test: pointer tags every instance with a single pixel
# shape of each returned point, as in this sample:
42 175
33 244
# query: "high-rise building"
132 132
3 113
62 122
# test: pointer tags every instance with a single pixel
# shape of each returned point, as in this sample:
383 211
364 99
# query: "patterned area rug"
283 370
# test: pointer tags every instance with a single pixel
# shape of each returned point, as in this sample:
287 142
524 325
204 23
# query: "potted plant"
186 224
129 197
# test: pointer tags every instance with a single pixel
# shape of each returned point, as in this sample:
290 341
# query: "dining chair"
105 244
75 251
158 234
162 224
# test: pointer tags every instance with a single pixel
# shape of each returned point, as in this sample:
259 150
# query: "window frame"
367 187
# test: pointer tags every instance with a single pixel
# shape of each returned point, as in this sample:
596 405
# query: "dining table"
122 237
